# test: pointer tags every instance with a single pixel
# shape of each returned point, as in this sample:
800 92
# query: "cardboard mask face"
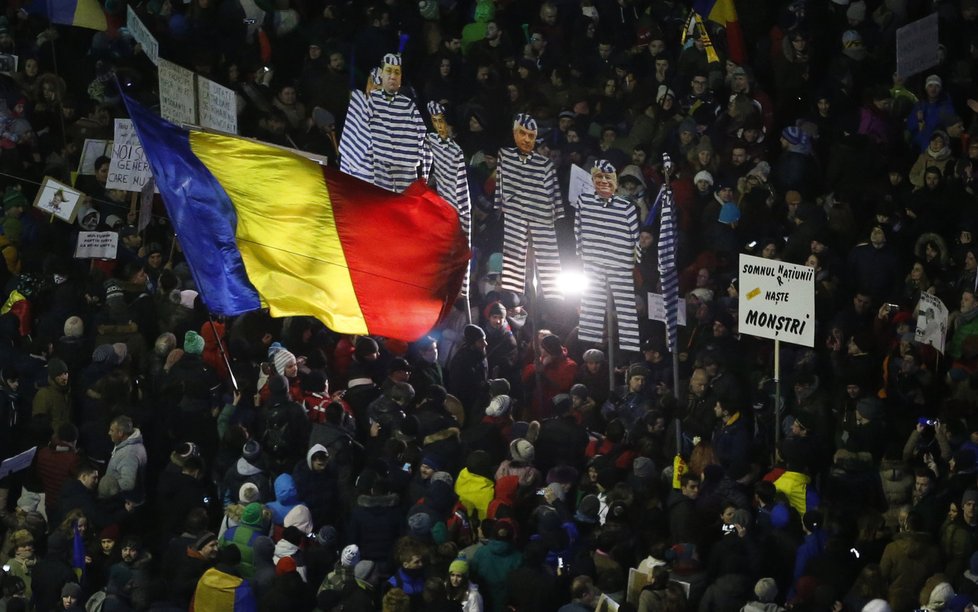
605 183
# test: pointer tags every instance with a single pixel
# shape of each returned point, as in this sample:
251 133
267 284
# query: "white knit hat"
350 556
522 450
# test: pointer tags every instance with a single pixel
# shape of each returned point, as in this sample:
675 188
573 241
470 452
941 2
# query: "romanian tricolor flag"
724 13
81 13
219 591
265 226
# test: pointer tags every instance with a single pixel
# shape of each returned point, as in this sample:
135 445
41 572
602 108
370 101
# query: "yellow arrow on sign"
756 291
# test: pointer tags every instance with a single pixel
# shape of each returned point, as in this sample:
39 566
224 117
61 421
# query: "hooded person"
474 485
247 469
286 498
316 484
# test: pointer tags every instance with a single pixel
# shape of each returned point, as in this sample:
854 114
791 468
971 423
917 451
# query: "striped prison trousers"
606 231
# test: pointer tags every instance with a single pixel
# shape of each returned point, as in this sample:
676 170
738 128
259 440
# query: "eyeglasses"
699 81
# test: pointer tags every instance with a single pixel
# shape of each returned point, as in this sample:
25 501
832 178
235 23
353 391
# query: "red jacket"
53 466
556 377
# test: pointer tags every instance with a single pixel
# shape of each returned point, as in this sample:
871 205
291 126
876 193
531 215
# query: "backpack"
277 439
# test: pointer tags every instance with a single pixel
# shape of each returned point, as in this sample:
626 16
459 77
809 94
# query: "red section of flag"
406 253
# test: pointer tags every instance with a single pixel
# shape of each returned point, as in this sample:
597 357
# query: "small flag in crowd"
724 13
695 29
667 257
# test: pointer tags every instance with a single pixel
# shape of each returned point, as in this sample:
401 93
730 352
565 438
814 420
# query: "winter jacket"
54 464
683 523
54 403
492 564
728 592
243 536
556 377
283 549
240 473
957 543
375 523
731 441
318 490
286 498
907 562
475 492
124 473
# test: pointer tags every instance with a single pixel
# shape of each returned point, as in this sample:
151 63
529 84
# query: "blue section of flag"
78 554
201 212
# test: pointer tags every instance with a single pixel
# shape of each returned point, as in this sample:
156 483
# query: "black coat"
375 524
467 378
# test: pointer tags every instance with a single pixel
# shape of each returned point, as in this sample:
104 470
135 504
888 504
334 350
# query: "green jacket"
492 564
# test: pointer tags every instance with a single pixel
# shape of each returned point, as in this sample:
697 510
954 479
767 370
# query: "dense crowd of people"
189 461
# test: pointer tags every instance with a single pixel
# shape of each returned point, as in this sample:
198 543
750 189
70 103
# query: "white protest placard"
129 169
97 245
178 102
580 182
657 309
92 150
58 199
217 106
917 46
777 300
141 35
606 604
17 462
636 582
931 321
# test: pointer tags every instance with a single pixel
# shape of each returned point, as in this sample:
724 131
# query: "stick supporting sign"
777 302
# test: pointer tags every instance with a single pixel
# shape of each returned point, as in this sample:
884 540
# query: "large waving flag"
81 13
724 13
261 225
